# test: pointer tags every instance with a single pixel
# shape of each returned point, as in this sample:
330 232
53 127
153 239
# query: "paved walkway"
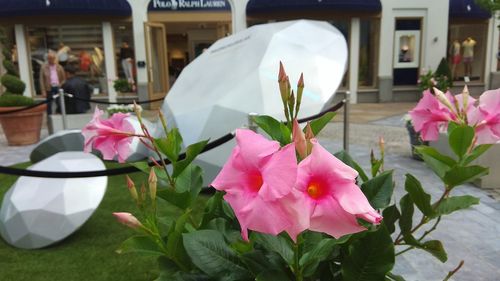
472 235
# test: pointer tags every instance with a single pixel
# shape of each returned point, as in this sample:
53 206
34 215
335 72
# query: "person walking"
77 87
51 78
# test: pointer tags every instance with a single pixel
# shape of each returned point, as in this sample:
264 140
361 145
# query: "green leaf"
318 124
171 145
346 158
145 168
435 247
475 153
310 260
222 226
418 195
274 128
175 247
407 209
276 244
452 204
391 215
393 277
452 126
180 200
273 275
376 167
210 253
369 258
191 152
140 244
438 162
378 190
459 175
190 180
460 139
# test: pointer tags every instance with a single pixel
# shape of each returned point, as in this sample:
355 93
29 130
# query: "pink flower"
110 136
128 219
326 197
257 175
429 116
486 117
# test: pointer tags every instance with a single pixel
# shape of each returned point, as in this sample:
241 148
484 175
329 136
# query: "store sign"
188 5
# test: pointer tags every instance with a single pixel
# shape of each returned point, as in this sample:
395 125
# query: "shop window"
124 50
368 52
467 50
343 27
80 45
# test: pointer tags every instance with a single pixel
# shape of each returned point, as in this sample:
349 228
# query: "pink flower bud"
132 189
153 180
128 219
299 139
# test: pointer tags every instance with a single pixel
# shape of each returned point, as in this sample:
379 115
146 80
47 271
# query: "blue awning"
13 8
266 6
467 9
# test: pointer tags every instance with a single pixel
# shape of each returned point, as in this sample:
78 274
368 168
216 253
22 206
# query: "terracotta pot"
23 127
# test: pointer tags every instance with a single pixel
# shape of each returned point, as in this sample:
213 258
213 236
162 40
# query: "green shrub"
15 100
122 86
13 84
10 67
6 54
443 70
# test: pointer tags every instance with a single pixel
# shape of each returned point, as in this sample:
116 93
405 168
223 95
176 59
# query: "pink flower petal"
279 174
330 218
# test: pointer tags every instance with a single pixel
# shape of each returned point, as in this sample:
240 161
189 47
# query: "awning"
14 8
255 7
467 9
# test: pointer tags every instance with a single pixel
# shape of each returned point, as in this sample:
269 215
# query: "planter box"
489 159
73 121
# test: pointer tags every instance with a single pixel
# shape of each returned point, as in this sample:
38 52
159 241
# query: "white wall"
140 16
434 15
238 14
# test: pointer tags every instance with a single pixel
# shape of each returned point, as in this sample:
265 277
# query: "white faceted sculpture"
38 212
238 75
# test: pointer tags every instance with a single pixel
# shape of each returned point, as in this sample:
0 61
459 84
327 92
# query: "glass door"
156 51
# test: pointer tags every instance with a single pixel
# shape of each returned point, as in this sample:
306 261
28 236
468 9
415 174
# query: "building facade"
390 41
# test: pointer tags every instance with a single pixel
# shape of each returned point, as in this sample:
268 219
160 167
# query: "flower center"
315 190
256 182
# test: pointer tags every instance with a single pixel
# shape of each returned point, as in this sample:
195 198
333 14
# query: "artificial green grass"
89 253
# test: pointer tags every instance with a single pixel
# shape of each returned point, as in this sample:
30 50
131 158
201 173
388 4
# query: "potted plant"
122 86
20 127
123 108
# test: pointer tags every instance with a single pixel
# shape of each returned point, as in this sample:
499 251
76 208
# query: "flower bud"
128 219
299 139
465 95
143 193
153 180
300 90
132 189
381 144
291 103
309 137
442 98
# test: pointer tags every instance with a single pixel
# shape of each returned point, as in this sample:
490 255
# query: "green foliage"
443 70
171 145
276 244
275 129
9 100
10 68
417 194
210 253
378 190
140 244
318 124
460 140
440 79
369 258
13 84
456 203
122 86
489 5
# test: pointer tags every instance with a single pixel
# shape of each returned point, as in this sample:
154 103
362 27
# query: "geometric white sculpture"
238 74
37 212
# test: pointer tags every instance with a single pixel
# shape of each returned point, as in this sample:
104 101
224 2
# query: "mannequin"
126 58
468 55
455 58
62 54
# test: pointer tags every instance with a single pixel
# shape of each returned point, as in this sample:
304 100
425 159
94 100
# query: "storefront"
358 20
40 27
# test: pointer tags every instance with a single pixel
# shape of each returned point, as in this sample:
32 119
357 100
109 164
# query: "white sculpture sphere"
37 212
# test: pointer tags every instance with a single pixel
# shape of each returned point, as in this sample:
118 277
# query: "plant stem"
451 273
431 229
296 255
405 250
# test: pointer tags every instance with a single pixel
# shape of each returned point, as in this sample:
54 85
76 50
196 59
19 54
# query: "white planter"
489 159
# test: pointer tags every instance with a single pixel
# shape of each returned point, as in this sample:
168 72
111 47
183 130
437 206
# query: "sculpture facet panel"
37 212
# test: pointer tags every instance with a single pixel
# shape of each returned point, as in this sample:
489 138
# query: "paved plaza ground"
472 235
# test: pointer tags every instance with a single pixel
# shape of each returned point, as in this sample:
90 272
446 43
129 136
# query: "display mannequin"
126 58
468 55
62 54
455 58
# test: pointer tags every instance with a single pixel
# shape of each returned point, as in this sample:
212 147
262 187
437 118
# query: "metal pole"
347 101
63 108
251 122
